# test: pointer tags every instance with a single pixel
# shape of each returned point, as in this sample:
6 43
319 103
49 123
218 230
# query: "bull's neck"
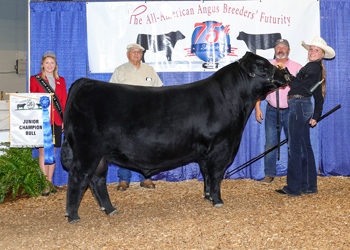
239 92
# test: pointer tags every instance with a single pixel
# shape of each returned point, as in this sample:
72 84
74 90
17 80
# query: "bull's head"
259 67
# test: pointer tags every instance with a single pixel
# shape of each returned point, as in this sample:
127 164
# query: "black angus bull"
150 130
259 41
155 43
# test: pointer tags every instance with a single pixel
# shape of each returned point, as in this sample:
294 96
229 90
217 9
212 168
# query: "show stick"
232 172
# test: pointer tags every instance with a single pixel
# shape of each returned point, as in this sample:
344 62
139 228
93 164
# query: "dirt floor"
175 216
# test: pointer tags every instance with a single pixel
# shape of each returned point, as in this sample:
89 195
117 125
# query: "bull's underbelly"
150 162
154 152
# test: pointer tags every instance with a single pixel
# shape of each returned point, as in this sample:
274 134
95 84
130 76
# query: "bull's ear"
246 56
246 66
248 62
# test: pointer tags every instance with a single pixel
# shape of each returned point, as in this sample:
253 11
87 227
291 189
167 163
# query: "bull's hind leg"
77 184
99 189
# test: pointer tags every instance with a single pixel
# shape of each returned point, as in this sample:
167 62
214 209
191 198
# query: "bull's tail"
66 149
66 154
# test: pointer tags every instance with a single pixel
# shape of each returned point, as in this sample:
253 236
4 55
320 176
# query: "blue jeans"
124 174
272 136
301 173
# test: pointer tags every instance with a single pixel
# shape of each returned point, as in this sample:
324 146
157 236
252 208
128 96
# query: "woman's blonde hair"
323 84
52 55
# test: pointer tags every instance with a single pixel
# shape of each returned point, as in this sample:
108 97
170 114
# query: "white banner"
195 35
26 120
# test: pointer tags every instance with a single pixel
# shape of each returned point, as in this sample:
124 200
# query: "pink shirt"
293 68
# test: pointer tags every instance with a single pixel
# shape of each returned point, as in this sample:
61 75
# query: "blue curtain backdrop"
61 28
334 130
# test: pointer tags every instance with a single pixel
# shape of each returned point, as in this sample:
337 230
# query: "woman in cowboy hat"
301 173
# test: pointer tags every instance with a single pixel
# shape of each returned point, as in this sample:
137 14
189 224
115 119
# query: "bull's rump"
147 128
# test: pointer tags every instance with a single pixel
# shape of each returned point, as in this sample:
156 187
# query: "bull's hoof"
73 221
66 214
218 205
113 213
109 210
207 198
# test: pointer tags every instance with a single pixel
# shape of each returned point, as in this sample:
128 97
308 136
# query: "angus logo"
210 42
27 104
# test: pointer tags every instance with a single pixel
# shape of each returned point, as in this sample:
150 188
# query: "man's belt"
276 108
49 89
297 97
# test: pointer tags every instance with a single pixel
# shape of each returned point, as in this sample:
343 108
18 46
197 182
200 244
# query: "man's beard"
284 56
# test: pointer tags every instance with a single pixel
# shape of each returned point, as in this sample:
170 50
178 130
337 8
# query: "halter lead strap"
278 124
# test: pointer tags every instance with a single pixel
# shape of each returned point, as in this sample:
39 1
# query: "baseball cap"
134 46
282 41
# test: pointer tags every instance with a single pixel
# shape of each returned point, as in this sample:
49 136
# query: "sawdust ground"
175 216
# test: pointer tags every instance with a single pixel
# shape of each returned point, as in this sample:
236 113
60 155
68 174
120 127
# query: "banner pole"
28 52
9 118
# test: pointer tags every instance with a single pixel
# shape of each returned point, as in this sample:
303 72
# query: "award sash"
48 89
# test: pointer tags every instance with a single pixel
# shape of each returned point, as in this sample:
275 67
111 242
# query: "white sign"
197 36
26 120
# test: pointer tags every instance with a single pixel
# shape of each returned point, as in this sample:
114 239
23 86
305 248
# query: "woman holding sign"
48 81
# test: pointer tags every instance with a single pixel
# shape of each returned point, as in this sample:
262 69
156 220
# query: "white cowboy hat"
329 53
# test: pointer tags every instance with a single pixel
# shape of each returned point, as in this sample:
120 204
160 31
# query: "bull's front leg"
205 174
215 192
77 184
216 174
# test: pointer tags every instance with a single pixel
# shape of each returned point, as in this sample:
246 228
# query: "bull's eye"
261 68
